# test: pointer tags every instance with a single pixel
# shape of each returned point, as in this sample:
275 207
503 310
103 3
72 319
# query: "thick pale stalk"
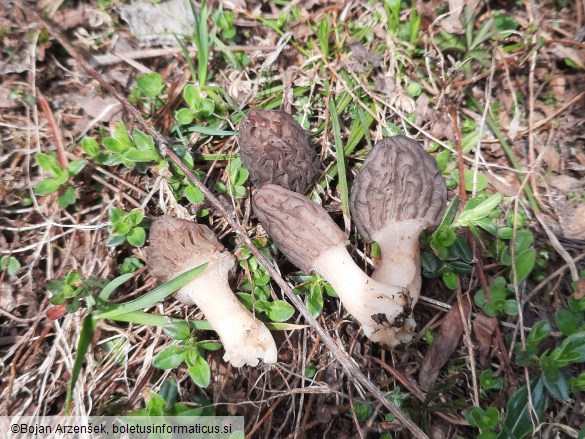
400 264
381 309
244 337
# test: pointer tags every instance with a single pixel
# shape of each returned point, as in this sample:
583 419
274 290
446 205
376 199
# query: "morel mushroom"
275 149
177 246
398 192
310 239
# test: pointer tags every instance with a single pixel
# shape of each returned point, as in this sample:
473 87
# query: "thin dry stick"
465 321
350 366
61 154
118 57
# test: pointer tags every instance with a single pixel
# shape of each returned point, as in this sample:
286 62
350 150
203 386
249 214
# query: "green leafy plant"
238 175
225 20
310 371
451 254
126 226
488 382
165 403
10 264
134 150
498 303
314 287
189 350
323 35
362 411
60 178
570 351
92 149
519 418
202 41
256 290
524 254
485 420
147 91
554 363
71 290
405 30
199 107
130 265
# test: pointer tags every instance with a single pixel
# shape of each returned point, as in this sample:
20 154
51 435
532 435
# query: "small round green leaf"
194 195
115 240
10 264
279 311
169 357
151 84
90 146
114 145
136 237
184 116
524 264
67 198
177 330
200 372
315 299
48 162
450 279
76 166
210 345
143 141
191 95
47 186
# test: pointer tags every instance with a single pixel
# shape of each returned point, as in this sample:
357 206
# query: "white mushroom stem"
244 338
400 264
381 309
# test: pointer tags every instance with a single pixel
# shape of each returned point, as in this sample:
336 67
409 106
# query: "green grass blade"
85 337
211 131
111 287
365 121
201 37
145 318
340 155
154 296
187 56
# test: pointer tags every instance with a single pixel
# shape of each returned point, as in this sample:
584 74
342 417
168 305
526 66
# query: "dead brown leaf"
565 183
444 345
565 52
580 290
572 219
443 127
104 109
483 329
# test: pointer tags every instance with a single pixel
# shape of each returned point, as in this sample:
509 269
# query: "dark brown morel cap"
399 181
301 229
275 149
